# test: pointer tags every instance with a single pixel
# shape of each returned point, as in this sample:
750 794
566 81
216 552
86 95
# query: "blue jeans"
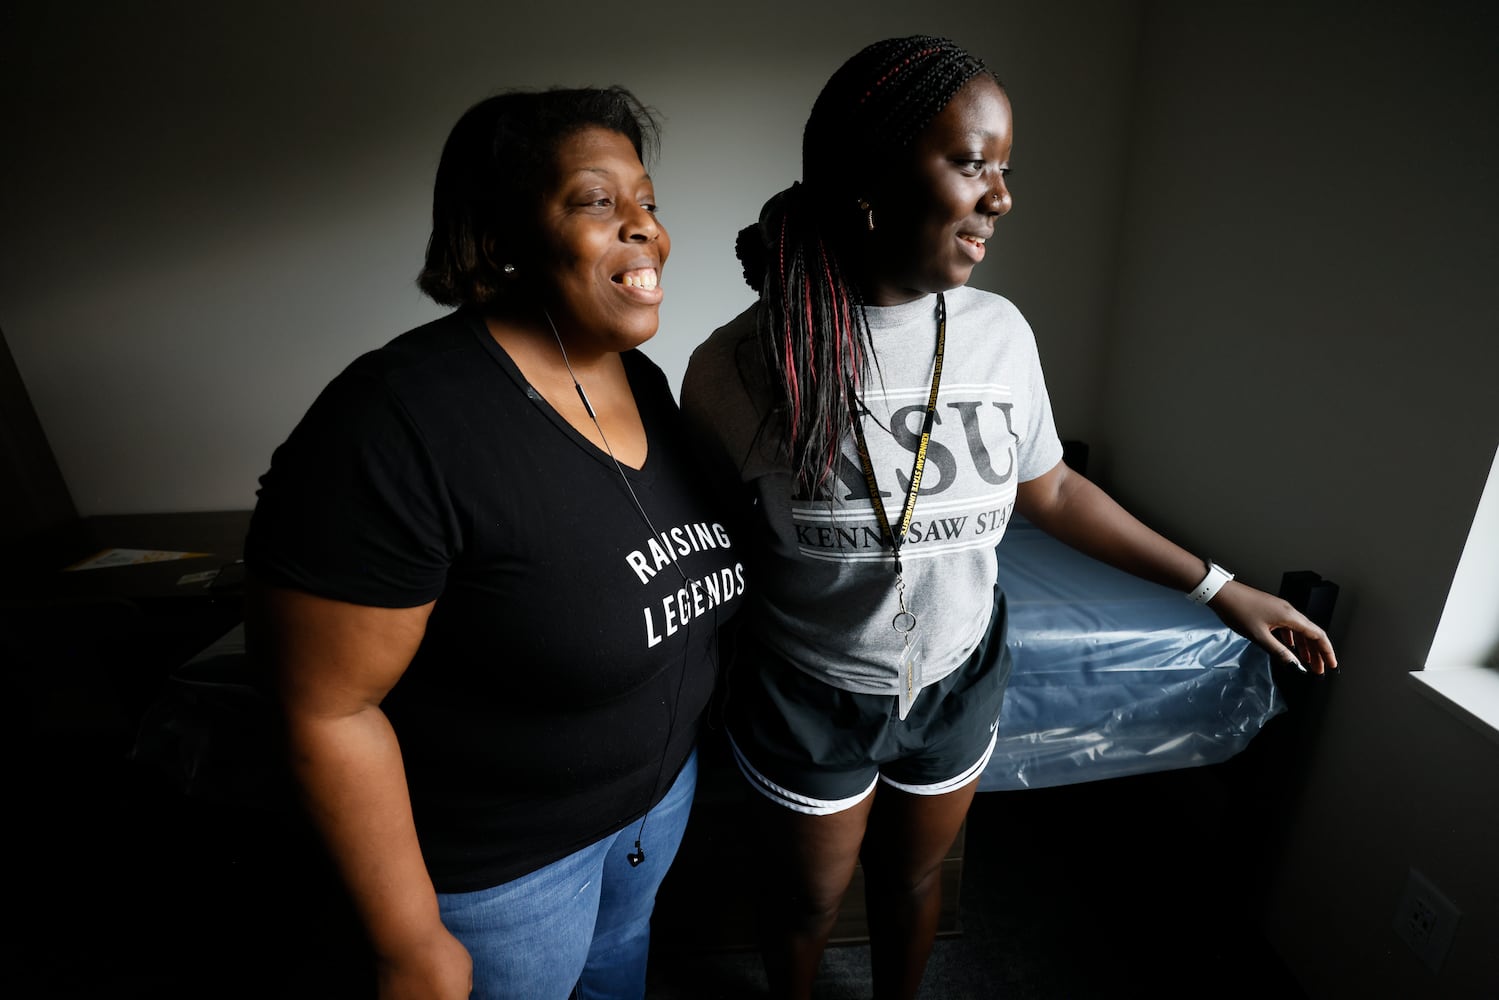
582 923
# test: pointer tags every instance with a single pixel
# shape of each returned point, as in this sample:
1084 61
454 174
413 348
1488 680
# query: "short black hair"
495 165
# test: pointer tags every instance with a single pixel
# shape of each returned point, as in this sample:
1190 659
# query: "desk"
85 651
36 571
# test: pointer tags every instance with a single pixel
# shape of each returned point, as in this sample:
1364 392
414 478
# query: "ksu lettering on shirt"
843 541
698 594
967 492
966 442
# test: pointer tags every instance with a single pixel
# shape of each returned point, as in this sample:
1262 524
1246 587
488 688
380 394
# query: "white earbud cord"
638 855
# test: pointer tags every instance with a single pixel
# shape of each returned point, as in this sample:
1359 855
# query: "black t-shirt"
567 663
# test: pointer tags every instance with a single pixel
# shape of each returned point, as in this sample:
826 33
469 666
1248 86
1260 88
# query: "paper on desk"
132 557
206 577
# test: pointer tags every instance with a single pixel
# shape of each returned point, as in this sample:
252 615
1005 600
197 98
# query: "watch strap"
1210 585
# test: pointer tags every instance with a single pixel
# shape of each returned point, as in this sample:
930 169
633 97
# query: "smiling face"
602 246
933 216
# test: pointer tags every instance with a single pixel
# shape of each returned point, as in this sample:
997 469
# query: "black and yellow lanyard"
904 622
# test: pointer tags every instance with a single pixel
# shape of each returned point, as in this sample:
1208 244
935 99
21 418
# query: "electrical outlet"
1426 920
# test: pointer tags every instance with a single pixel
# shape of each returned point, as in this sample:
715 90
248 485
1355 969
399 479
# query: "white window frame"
1462 668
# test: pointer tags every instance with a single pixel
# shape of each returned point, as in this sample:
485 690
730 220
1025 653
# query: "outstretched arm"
333 664
1067 505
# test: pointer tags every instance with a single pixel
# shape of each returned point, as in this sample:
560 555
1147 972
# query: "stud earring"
868 214
509 270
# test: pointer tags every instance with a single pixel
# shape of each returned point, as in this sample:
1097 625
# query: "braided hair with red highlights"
800 257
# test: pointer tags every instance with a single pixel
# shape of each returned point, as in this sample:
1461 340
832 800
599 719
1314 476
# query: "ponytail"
812 333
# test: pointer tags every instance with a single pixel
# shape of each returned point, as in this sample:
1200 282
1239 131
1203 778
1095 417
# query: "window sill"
1471 693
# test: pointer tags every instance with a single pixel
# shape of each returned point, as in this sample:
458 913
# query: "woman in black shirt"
487 582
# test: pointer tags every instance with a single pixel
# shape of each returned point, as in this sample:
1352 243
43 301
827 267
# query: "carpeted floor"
1138 887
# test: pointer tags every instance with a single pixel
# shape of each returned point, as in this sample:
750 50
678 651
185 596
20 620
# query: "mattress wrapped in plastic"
1114 675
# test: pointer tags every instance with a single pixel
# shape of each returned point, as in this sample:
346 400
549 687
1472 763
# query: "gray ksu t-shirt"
824 583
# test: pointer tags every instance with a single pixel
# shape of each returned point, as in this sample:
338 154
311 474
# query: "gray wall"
1303 374
1257 245
210 209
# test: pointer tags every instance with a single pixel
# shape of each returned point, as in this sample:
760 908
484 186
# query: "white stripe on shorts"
951 784
791 800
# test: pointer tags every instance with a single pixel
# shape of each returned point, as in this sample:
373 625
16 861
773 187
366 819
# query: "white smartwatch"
1210 585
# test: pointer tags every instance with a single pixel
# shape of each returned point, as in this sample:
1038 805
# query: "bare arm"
333 664
1070 507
